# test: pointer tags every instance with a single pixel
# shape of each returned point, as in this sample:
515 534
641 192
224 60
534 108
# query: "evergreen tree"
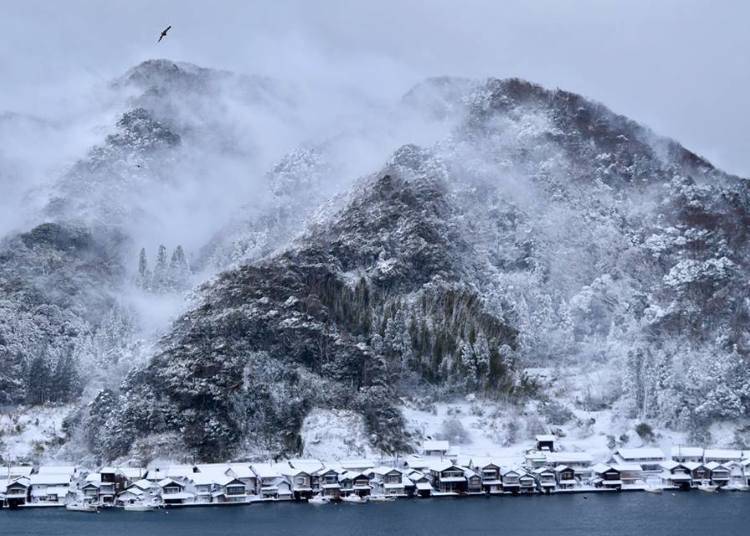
160 280
179 271
143 279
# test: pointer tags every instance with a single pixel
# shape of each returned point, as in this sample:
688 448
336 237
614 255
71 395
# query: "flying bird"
163 34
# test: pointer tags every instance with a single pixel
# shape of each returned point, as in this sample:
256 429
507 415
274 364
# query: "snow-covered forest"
217 272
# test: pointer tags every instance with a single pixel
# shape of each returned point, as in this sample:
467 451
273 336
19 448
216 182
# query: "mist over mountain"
446 244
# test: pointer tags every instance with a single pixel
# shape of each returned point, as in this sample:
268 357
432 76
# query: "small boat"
380 498
354 499
136 507
82 507
708 488
318 499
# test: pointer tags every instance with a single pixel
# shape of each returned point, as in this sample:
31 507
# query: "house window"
235 490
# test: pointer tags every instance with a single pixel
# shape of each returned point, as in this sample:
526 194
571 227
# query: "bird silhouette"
163 34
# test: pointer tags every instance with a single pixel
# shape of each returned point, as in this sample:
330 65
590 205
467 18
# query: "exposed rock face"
327 323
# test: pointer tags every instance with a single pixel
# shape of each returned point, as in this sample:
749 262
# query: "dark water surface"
626 514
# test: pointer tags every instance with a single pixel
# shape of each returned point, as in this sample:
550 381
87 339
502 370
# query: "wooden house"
301 483
243 473
511 481
699 473
355 483
49 489
473 482
173 493
545 442
90 491
526 483
422 484
630 473
649 459
580 462
720 473
387 481
677 475
565 477
490 473
448 478
17 492
271 483
546 479
606 476
230 490
435 448
328 483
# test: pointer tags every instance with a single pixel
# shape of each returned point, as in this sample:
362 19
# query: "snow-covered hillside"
484 259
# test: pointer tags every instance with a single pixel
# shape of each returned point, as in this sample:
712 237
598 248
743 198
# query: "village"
436 471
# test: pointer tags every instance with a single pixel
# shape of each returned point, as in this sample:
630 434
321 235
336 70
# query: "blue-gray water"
626 514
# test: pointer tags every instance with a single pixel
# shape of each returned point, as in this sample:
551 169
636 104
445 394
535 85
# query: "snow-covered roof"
19 470
56 469
241 470
543 470
561 467
416 461
203 479
168 481
711 466
601 468
670 464
384 470
693 465
627 467
722 454
358 464
689 452
645 453
440 465
546 437
568 457
422 486
179 471
53 479
309 466
351 475
141 484
468 473
265 470
433 444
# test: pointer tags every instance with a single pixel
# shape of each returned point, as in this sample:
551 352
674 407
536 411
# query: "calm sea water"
626 514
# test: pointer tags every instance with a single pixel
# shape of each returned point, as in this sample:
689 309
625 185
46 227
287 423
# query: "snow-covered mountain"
531 229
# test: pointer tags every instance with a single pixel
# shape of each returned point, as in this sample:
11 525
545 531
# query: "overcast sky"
679 66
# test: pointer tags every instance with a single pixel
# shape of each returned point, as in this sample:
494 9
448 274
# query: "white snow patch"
334 435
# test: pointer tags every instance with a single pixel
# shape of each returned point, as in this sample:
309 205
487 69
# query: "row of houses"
435 471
